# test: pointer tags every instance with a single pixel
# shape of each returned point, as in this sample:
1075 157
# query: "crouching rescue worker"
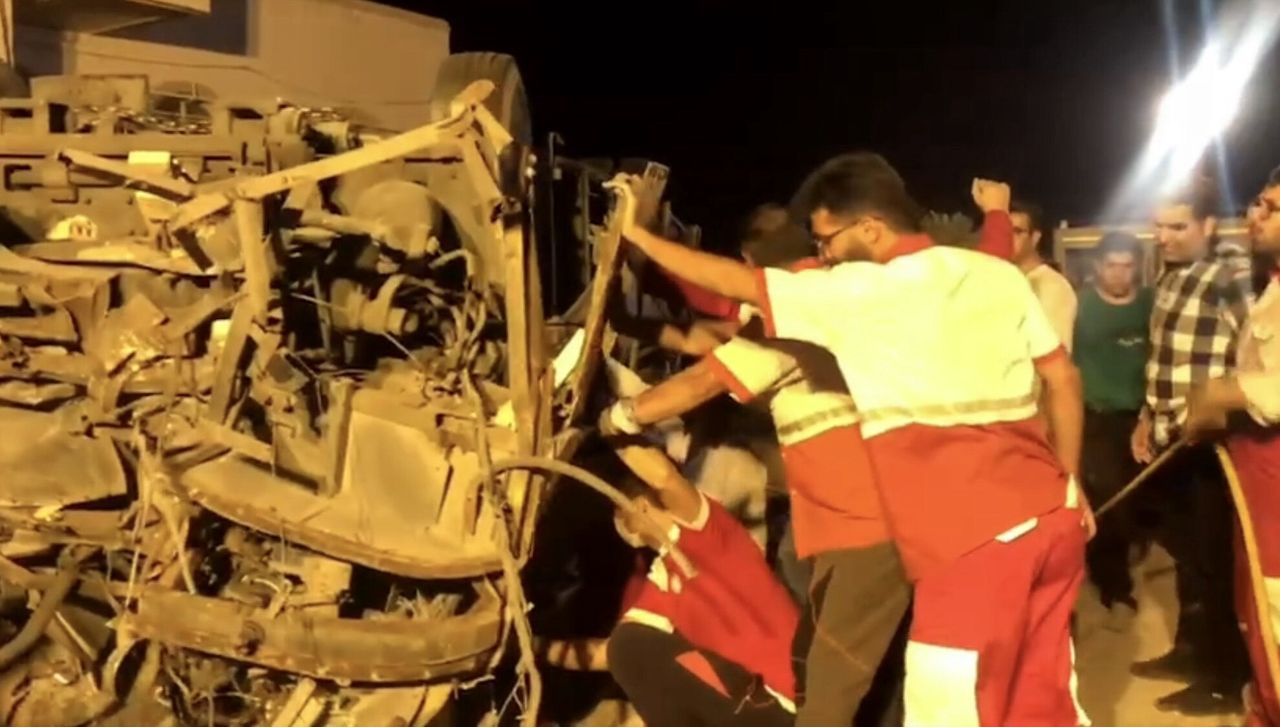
858 593
941 348
1250 401
702 648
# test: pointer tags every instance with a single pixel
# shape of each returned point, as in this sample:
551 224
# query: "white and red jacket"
732 605
938 347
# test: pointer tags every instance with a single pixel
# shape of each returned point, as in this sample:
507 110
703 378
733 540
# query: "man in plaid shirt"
1202 300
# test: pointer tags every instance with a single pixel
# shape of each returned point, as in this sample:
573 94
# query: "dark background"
1055 96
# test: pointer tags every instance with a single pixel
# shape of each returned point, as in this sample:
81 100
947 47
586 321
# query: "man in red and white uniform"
709 644
1253 395
858 592
941 349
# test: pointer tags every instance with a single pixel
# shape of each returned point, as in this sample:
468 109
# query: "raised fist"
991 196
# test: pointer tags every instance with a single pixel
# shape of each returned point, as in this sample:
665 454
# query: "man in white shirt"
1052 289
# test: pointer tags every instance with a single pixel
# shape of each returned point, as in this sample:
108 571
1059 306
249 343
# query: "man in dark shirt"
1111 338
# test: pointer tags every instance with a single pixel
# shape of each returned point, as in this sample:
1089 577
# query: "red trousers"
1265 708
990 637
1257 464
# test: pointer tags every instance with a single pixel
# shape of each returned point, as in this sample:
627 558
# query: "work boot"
1201 700
1177 665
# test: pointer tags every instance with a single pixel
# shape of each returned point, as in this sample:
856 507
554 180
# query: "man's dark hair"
857 184
1119 242
1273 179
1201 194
780 247
1033 211
764 219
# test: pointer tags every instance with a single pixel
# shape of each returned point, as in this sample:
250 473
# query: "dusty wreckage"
278 402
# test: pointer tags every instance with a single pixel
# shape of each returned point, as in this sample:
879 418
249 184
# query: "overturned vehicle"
279 401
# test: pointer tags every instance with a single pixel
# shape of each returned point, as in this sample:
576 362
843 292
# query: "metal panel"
100 16
46 464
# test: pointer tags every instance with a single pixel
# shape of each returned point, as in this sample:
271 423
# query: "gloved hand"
619 420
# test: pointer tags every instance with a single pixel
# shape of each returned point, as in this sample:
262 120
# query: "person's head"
857 207
771 239
1028 230
644 526
764 219
1264 218
1185 223
1116 264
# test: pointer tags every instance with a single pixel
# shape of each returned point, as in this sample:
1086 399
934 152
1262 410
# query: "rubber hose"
587 478
34 628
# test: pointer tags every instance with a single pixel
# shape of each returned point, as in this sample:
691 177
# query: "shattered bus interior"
280 398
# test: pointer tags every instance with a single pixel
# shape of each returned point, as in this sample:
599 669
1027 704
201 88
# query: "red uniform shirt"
732 606
834 503
937 346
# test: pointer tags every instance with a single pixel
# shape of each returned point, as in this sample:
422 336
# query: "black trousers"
1107 466
1196 514
651 667
857 600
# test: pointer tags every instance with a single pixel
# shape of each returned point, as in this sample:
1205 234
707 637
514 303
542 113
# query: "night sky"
1055 96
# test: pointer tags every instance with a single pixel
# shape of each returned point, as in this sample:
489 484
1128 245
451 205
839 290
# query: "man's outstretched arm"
1063 402
679 394
677 495
718 274
739 366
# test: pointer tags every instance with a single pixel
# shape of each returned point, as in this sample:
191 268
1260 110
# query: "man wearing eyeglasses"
1247 404
1051 288
941 347
1201 303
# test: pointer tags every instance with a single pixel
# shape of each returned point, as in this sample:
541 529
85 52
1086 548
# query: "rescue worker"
1201 302
1253 394
1051 288
940 348
769 239
699 648
1111 345
858 591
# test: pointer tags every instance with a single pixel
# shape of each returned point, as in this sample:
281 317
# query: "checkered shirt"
1195 324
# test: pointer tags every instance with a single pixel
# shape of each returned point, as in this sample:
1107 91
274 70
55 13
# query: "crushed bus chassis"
278 407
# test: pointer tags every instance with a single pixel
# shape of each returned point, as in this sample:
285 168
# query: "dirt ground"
1109 694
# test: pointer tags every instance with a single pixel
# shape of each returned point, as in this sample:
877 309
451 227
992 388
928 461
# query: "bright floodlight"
1197 111
1199 108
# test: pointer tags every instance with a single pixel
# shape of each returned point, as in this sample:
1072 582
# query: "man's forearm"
700 299
679 394
996 236
1064 408
716 273
677 495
